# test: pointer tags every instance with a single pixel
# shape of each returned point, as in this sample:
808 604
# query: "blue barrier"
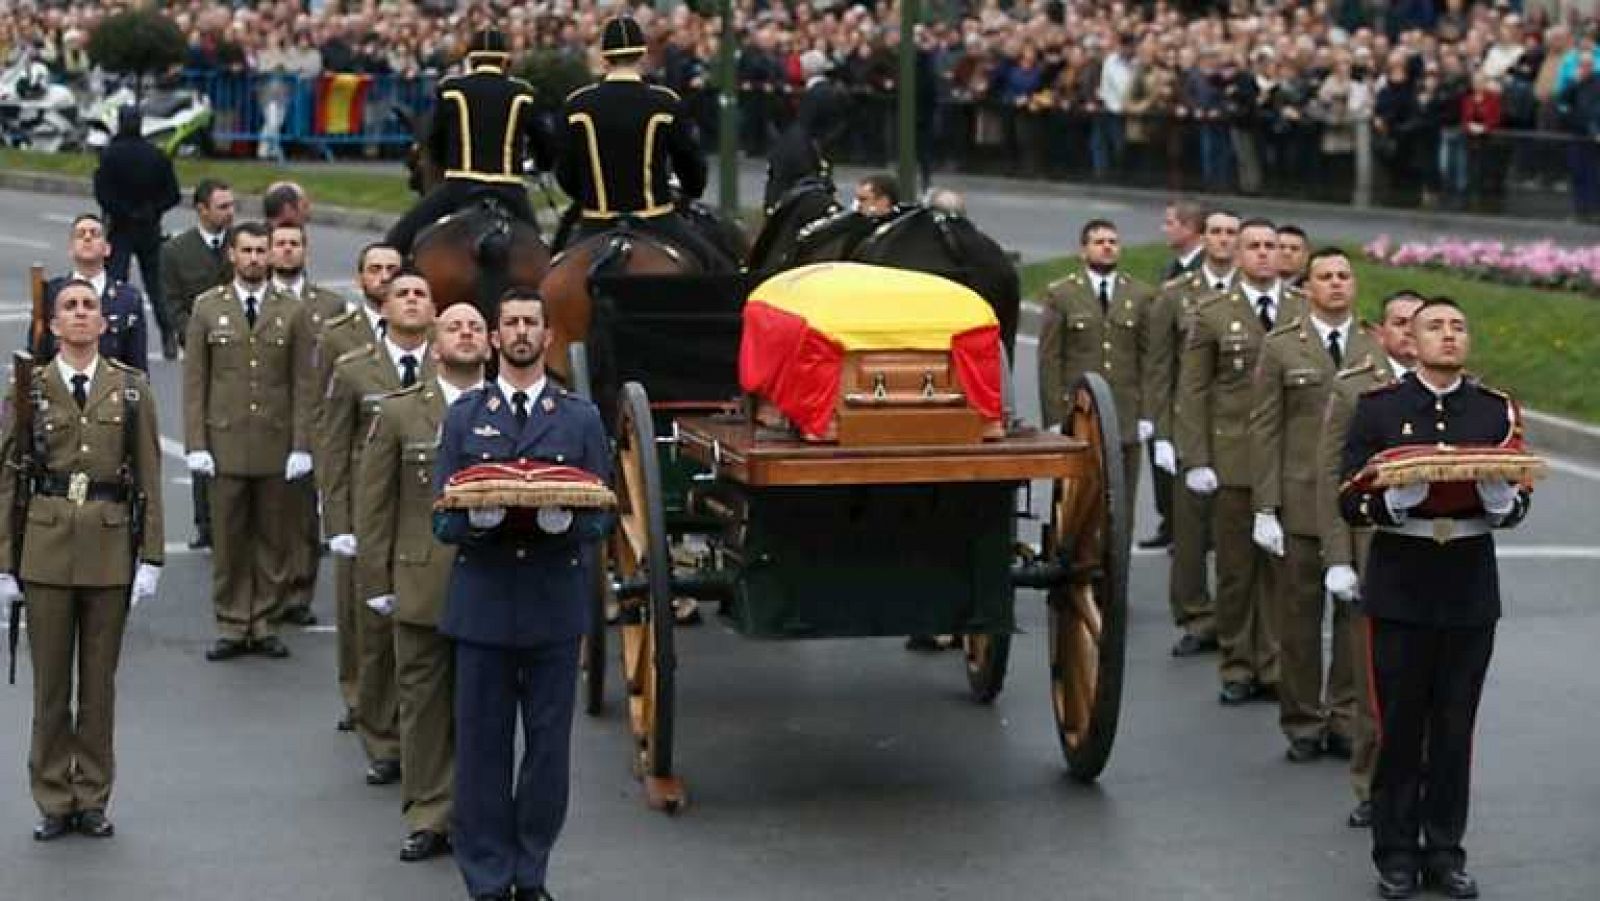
274 110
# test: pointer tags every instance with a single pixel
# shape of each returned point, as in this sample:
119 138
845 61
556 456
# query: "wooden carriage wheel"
640 551
1090 529
986 658
593 660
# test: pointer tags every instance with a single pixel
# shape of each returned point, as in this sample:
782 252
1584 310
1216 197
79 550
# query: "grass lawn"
1541 346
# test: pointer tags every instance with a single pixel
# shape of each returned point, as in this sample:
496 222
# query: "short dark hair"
89 217
1293 230
208 187
1092 226
1439 300
279 199
1258 222
294 225
518 295
253 229
1190 213
361 258
73 282
1323 253
884 185
1402 294
1216 211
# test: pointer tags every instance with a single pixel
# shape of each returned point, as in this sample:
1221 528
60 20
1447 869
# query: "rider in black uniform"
622 137
483 129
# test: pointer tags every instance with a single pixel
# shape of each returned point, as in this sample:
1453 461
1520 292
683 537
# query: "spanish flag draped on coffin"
801 326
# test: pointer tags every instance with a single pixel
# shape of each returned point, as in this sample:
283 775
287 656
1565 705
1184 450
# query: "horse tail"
492 250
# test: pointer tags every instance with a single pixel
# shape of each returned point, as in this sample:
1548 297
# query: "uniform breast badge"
549 405
78 488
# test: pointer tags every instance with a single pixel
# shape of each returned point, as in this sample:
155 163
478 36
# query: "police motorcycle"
36 112
178 121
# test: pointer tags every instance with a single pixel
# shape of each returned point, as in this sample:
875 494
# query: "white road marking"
29 243
59 218
1503 551
1575 469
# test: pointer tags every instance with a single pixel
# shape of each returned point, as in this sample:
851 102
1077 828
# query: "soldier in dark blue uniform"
122 305
1432 597
518 601
483 129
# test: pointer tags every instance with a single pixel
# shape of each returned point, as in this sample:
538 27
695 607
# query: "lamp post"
907 83
727 114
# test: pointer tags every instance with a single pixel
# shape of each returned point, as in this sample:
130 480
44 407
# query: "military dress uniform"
191 264
1292 381
246 396
1431 594
399 557
1212 424
77 565
516 607
361 378
123 308
1171 314
1100 325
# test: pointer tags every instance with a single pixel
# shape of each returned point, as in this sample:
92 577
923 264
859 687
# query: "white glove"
9 589
1401 498
145 581
1268 534
1498 496
1146 429
343 545
1201 480
1342 583
486 517
383 604
1166 457
298 466
201 462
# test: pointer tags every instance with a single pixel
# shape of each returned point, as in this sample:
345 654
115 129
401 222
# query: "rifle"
24 404
38 323
130 476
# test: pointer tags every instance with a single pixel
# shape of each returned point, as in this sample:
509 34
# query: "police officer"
622 140
483 128
1431 593
517 605
93 454
361 377
135 185
405 571
1298 362
120 303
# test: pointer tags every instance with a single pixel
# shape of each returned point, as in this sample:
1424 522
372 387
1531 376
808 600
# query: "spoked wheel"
1090 530
594 642
987 657
640 554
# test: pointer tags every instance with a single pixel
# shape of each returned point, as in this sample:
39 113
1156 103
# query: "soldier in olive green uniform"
405 571
361 377
1297 364
1171 316
1213 418
246 396
1344 548
1097 320
355 328
92 456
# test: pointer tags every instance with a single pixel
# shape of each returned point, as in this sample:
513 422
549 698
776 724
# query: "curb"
1562 437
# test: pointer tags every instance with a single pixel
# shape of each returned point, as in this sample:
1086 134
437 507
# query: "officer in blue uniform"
121 303
518 601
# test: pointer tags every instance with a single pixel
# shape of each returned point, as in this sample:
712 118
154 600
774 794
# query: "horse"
808 201
477 253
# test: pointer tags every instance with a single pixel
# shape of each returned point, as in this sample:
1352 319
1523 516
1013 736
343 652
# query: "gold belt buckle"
78 488
1444 529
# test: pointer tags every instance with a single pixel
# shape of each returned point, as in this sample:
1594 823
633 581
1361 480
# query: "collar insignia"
486 431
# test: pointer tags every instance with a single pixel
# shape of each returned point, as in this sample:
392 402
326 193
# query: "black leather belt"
61 486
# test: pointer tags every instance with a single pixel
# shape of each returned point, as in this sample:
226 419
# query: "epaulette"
355 354
1071 278
1211 298
1386 386
1487 390
412 388
120 366
1285 327
213 291
522 82
340 319
576 91
669 92
1352 371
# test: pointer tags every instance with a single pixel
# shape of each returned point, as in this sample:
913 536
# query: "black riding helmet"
488 46
622 38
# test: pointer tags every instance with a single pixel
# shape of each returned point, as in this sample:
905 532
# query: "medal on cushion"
554 520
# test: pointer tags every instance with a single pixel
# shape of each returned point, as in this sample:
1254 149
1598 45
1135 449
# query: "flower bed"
1541 264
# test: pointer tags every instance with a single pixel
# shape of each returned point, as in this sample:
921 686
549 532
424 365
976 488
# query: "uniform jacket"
71 544
189 268
1342 544
360 379
124 340
519 590
1288 403
399 554
1212 411
1171 314
484 127
621 140
135 185
1076 337
321 304
1418 580
247 392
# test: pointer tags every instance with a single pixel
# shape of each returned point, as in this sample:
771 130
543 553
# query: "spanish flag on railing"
341 103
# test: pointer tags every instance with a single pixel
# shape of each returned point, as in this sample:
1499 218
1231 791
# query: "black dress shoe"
423 844
534 894
52 826
383 772
1236 693
94 824
1361 816
1304 750
493 896
271 646
1162 538
1395 884
346 723
226 649
1338 746
200 541
1189 645
1452 883
1264 691
298 616
169 347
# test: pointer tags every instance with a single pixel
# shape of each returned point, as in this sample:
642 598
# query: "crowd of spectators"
1239 95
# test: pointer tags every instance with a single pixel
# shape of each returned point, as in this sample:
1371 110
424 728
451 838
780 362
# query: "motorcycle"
177 121
35 112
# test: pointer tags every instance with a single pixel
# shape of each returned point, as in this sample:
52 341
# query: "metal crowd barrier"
273 111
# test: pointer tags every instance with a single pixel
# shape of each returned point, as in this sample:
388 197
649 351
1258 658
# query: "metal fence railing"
276 111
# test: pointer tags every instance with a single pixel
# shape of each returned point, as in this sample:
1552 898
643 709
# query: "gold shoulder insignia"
355 354
1362 368
1377 389
577 91
666 90
340 319
1284 327
413 388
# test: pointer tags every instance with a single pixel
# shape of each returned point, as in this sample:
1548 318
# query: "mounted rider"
483 129
622 139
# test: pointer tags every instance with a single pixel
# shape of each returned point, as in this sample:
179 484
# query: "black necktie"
1335 350
1222 286
1264 310
1105 296
79 392
519 407
216 246
383 327
408 371
250 310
